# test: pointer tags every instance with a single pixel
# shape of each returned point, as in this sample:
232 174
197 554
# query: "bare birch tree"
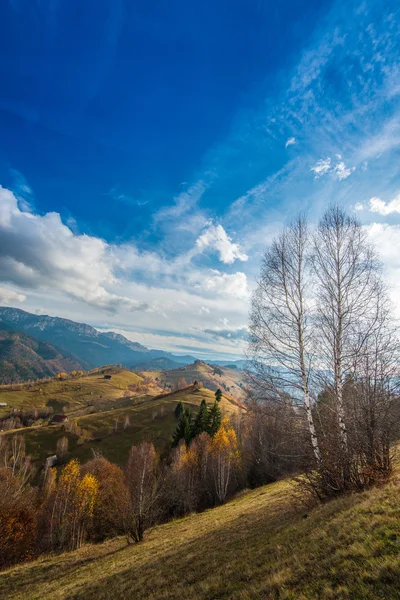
347 276
280 324
144 490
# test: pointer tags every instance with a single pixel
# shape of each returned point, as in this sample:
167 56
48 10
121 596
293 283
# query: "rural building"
59 419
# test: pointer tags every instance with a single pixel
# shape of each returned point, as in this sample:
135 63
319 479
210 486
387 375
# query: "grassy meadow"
262 544
73 396
105 429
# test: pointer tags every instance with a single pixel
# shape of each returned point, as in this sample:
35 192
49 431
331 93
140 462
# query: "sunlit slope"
71 395
230 381
114 431
260 545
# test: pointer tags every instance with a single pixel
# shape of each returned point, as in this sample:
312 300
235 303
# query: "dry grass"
149 419
260 545
200 371
75 393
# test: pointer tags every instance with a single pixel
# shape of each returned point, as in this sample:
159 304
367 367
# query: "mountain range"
82 343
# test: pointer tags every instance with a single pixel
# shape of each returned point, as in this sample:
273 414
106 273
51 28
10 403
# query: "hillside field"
71 395
213 377
262 544
150 419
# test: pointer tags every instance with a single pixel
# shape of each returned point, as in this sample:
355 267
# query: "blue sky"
150 150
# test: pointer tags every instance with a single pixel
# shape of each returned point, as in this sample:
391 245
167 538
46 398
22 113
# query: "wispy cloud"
321 167
326 165
290 142
22 191
342 172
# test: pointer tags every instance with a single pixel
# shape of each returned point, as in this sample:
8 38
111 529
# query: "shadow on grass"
50 567
247 549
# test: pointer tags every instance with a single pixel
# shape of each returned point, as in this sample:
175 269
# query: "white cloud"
9 296
381 207
339 170
234 284
42 255
321 167
342 172
386 239
216 238
41 252
290 142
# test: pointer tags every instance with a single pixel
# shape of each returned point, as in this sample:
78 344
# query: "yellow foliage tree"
72 506
224 452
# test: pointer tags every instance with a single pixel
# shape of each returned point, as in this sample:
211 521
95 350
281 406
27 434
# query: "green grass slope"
150 419
261 545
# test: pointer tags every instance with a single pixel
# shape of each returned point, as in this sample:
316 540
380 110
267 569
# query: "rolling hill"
262 544
24 358
82 343
78 395
102 414
213 377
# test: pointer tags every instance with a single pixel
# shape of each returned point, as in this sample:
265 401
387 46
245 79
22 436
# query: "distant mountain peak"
83 343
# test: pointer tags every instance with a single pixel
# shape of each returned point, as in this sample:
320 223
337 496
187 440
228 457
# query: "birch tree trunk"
345 269
280 324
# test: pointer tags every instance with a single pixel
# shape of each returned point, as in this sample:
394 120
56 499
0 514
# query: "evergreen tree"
184 429
201 420
218 395
214 419
178 410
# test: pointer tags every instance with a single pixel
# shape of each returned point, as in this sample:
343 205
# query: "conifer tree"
214 419
201 420
184 430
178 410
218 395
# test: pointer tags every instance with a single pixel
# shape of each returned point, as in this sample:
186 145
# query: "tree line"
59 509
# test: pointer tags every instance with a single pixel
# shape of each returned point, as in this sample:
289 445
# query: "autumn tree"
181 384
183 481
18 514
144 490
70 508
319 317
111 500
224 454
